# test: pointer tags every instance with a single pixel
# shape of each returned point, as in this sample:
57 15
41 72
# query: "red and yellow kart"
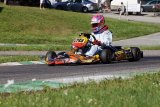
106 55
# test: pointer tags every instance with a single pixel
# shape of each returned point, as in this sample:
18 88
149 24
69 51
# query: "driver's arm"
106 38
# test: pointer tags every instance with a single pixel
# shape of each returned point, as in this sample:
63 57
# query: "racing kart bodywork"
80 46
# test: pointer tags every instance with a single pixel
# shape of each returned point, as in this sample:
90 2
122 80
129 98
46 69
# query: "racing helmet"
97 22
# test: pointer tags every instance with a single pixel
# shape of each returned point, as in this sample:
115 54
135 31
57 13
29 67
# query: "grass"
34 47
150 47
31 25
143 90
4 59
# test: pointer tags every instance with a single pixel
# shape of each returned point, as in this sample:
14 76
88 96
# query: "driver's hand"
96 42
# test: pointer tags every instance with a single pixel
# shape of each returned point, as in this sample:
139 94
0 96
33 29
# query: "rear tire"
106 56
136 54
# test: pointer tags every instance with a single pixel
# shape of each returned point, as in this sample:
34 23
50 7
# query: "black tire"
136 54
50 55
106 56
85 9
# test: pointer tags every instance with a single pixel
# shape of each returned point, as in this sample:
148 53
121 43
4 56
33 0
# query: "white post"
127 9
5 2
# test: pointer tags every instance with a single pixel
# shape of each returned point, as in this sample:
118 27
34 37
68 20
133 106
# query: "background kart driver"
102 34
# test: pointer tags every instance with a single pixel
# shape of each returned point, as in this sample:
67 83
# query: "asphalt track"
40 72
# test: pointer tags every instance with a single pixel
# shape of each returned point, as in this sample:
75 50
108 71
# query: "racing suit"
104 36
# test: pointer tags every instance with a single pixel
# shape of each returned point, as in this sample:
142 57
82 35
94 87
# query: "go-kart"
106 55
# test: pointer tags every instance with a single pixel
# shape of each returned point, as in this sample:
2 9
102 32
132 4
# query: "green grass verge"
31 25
4 59
34 47
150 47
143 90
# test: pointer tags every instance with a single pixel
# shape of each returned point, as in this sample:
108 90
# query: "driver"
103 37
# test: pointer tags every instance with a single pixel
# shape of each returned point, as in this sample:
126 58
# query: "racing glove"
96 42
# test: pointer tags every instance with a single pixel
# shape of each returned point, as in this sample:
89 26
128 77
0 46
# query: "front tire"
50 55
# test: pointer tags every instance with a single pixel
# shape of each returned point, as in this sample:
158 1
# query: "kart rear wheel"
106 56
136 54
50 57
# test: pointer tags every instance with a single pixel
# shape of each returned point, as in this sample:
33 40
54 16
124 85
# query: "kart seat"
117 47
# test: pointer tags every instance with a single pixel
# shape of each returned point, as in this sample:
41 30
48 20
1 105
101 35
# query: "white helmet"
97 22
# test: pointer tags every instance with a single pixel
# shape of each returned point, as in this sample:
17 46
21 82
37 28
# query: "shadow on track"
155 58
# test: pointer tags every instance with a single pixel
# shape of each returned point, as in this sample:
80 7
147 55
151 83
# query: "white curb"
21 63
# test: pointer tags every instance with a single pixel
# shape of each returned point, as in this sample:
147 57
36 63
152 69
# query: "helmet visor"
95 25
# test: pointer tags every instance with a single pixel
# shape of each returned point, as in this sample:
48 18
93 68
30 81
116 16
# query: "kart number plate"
79 40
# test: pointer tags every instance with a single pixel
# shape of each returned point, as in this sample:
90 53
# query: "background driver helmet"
97 23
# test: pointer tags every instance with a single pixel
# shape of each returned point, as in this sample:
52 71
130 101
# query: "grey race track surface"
148 40
27 72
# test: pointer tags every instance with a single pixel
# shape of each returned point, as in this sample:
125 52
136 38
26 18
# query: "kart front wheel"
106 56
50 55
136 54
